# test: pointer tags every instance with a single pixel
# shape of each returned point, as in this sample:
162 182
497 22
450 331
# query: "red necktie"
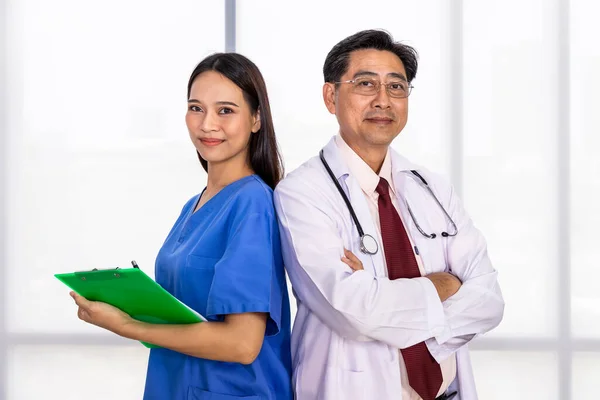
424 373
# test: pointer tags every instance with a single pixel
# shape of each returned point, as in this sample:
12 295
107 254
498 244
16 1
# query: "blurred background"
96 162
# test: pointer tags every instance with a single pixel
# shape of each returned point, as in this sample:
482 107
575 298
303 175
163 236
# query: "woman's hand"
352 261
102 315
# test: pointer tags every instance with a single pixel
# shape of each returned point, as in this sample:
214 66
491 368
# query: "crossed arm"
444 309
445 283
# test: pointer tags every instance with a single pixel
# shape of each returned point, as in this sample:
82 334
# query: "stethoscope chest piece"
368 244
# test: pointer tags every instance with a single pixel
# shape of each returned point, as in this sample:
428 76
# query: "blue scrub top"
225 259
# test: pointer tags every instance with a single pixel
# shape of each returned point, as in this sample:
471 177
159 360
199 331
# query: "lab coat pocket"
431 254
353 382
353 358
359 356
365 368
195 393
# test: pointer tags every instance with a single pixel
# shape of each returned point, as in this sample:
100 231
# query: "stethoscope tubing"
359 228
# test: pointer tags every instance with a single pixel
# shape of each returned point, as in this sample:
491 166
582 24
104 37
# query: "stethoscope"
368 244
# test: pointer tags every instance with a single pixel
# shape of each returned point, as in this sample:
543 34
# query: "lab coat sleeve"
478 306
358 306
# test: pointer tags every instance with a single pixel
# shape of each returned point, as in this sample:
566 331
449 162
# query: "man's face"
369 120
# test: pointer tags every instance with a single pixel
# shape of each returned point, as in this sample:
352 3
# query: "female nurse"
222 257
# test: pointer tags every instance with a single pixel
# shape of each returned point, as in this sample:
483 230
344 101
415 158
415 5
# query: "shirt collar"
365 176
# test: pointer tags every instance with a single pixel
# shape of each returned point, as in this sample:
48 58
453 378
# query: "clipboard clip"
133 263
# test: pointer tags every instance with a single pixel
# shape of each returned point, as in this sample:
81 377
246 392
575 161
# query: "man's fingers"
351 260
351 256
351 264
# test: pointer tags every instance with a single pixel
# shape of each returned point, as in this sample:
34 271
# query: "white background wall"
97 163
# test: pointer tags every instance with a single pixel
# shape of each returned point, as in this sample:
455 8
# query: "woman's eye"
195 109
225 110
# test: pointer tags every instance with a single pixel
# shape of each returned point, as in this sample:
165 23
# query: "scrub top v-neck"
225 258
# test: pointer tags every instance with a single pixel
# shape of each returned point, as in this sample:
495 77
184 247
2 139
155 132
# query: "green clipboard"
133 292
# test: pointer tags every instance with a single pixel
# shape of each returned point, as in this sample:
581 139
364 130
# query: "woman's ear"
256 123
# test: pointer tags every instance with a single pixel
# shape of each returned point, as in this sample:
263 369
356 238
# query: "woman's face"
219 119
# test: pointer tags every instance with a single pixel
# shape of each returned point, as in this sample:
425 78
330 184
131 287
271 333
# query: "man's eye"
398 86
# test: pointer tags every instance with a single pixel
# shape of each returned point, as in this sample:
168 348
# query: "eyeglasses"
370 86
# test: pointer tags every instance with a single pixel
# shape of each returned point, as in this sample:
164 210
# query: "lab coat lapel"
409 191
359 203
400 166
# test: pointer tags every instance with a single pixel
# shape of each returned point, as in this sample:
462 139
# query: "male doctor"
391 276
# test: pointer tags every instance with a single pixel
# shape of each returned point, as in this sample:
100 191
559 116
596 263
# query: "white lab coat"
349 326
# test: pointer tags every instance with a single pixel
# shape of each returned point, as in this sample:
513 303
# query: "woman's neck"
222 174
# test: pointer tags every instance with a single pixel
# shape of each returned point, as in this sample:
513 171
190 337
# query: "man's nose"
382 98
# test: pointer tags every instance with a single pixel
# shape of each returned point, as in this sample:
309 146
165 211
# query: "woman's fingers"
84 307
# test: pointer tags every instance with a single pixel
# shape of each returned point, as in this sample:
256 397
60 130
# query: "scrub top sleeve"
245 278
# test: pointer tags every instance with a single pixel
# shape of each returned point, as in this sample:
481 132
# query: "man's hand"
446 284
352 261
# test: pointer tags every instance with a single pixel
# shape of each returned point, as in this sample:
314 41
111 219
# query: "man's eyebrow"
396 75
364 73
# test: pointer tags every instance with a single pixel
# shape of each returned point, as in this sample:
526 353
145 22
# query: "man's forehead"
378 61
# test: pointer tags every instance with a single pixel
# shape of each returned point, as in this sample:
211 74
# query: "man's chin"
379 138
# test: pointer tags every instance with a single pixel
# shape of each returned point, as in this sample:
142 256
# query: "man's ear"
329 96
256 123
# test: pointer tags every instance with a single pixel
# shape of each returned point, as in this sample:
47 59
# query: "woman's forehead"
212 86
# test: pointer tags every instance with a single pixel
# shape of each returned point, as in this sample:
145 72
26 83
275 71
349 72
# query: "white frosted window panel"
586 369
515 375
290 40
585 168
510 152
76 372
100 162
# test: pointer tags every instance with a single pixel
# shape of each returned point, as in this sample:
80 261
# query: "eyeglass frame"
387 87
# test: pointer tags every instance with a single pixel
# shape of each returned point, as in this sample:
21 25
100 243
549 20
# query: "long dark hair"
263 153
